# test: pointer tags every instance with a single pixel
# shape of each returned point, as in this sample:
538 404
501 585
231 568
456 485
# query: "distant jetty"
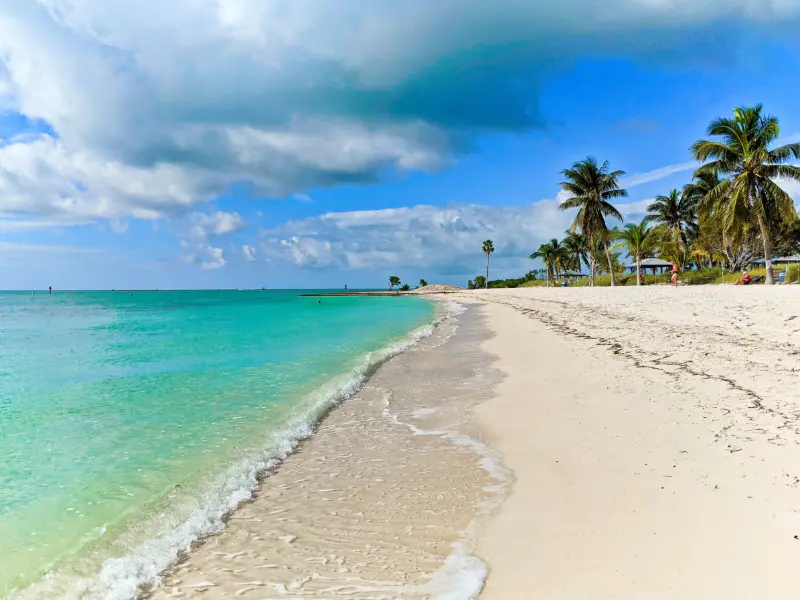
335 294
423 291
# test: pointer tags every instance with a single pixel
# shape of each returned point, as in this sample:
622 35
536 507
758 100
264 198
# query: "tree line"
394 282
731 211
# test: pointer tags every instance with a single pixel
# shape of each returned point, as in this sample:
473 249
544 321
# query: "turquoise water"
129 424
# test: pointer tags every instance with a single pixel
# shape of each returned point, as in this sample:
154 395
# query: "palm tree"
741 154
488 248
554 256
393 281
675 213
592 187
708 241
578 248
703 182
637 240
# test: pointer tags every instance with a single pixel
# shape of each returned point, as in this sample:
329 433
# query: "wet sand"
380 502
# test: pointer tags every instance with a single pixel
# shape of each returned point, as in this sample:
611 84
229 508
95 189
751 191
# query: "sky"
318 143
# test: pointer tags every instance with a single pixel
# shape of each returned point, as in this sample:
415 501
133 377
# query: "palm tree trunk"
767 239
610 264
684 249
638 270
486 285
591 271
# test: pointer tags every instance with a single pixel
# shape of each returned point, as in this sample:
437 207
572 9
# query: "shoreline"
547 443
402 475
122 576
652 434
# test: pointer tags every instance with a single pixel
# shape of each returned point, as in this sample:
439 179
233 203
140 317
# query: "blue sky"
313 143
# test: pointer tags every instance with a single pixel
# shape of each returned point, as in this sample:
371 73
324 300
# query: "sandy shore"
654 436
649 439
380 503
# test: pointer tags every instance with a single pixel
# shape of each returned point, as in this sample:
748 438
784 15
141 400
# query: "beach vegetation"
488 248
732 212
422 283
674 214
577 246
592 187
478 283
793 274
393 282
638 240
556 258
405 287
740 152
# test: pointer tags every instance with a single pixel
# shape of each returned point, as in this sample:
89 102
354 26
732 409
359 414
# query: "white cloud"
15 247
213 224
249 252
33 224
448 238
208 257
160 106
44 178
562 197
793 189
213 258
656 174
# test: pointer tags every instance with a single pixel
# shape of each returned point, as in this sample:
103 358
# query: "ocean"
131 424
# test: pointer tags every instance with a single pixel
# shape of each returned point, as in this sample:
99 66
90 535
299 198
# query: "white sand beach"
653 434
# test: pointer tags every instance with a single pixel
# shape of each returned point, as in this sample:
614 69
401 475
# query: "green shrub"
792 274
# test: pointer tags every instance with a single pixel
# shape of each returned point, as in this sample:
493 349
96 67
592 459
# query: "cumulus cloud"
448 238
213 224
159 106
249 252
214 258
204 255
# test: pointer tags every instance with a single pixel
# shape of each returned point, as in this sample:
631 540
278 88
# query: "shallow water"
135 419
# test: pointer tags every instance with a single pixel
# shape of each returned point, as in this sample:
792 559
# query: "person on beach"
675 275
746 278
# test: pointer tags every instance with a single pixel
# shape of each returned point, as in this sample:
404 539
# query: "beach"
532 443
546 443
653 436
382 501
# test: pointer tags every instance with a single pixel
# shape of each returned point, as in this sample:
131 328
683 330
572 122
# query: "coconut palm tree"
578 248
554 256
592 186
637 240
488 248
703 182
676 213
740 153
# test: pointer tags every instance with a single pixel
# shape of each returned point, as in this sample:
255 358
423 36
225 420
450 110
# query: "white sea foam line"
121 578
